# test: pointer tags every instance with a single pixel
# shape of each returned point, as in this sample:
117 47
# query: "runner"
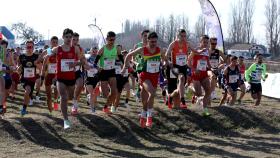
178 50
148 77
79 76
107 56
38 80
15 75
138 61
199 62
254 74
48 73
27 65
67 57
232 78
92 79
5 78
172 90
122 79
215 60
242 86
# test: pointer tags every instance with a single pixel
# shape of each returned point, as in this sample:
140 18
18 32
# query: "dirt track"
239 131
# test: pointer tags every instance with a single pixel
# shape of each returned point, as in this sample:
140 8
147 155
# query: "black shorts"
67 82
256 88
26 82
233 86
104 75
215 72
134 74
182 69
8 83
92 81
121 81
171 85
78 74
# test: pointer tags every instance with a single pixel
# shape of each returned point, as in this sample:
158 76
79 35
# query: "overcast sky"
50 17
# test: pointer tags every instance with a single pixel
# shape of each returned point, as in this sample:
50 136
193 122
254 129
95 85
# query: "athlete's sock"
126 100
149 112
24 107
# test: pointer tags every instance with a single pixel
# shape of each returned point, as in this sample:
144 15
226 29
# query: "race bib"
65 65
181 60
109 64
118 69
91 72
29 72
52 69
258 76
172 74
214 63
153 66
125 73
201 65
233 78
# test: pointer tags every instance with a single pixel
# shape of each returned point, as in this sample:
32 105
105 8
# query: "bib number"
153 66
29 72
118 69
214 63
109 64
52 69
201 65
233 78
65 65
181 60
91 72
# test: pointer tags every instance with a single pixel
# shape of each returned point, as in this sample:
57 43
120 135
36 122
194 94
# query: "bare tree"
25 32
199 27
272 10
248 12
236 34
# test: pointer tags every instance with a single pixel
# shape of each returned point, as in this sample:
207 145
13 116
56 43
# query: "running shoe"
92 109
149 122
193 99
55 106
23 112
106 110
67 124
142 122
183 106
206 112
113 109
37 99
30 102
74 110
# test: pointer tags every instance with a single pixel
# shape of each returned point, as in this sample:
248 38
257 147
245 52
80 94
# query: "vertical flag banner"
213 25
98 36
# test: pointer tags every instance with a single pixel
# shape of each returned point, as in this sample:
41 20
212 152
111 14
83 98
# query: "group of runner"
65 71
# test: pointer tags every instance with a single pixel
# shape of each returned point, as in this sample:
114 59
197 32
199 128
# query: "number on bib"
118 69
201 65
65 65
153 66
233 78
52 69
29 72
181 60
91 72
214 63
109 64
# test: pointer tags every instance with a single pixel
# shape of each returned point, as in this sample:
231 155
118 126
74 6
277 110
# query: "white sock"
75 103
150 113
144 114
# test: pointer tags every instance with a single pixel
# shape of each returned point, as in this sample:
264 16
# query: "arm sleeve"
97 59
248 72
264 71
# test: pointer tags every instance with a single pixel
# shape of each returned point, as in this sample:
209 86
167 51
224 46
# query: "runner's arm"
99 54
130 55
168 53
249 71
222 55
44 66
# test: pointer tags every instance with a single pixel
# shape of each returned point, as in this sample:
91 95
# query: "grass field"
238 131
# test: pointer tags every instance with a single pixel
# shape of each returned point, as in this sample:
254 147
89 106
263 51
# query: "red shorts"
199 77
153 77
15 77
49 79
130 70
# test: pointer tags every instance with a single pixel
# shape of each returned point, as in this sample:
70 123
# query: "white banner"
213 26
271 85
